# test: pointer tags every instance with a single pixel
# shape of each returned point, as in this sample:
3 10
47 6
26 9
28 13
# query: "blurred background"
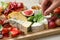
27 3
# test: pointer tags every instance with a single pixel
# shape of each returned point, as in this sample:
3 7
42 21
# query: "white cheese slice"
36 27
45 22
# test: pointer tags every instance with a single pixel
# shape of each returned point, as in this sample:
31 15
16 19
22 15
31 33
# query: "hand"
49 5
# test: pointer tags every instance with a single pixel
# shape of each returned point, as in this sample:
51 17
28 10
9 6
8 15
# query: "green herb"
40 17
31 18
37 17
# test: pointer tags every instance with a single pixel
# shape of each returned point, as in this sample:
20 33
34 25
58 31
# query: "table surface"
53 37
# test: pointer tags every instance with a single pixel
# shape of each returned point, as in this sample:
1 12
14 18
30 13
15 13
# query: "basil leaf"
31 18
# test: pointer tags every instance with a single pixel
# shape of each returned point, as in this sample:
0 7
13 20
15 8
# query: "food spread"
17 20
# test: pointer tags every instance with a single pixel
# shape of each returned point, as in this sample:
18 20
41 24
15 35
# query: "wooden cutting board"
36 35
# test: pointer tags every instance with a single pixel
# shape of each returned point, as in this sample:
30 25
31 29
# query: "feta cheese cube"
24 26
45 21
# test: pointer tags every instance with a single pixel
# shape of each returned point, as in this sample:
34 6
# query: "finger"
43 5
51 8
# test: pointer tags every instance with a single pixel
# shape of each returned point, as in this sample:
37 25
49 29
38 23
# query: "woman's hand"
49 5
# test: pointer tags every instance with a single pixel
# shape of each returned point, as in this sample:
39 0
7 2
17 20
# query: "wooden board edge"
38 34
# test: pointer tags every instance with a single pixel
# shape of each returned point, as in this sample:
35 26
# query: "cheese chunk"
36 27
17 15
26 27
22 25
45 22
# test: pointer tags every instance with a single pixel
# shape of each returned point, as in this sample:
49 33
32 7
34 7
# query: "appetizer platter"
19 22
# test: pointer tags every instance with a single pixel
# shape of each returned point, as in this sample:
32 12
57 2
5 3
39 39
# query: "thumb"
51 8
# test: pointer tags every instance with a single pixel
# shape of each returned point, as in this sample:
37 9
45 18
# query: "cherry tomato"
57 10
